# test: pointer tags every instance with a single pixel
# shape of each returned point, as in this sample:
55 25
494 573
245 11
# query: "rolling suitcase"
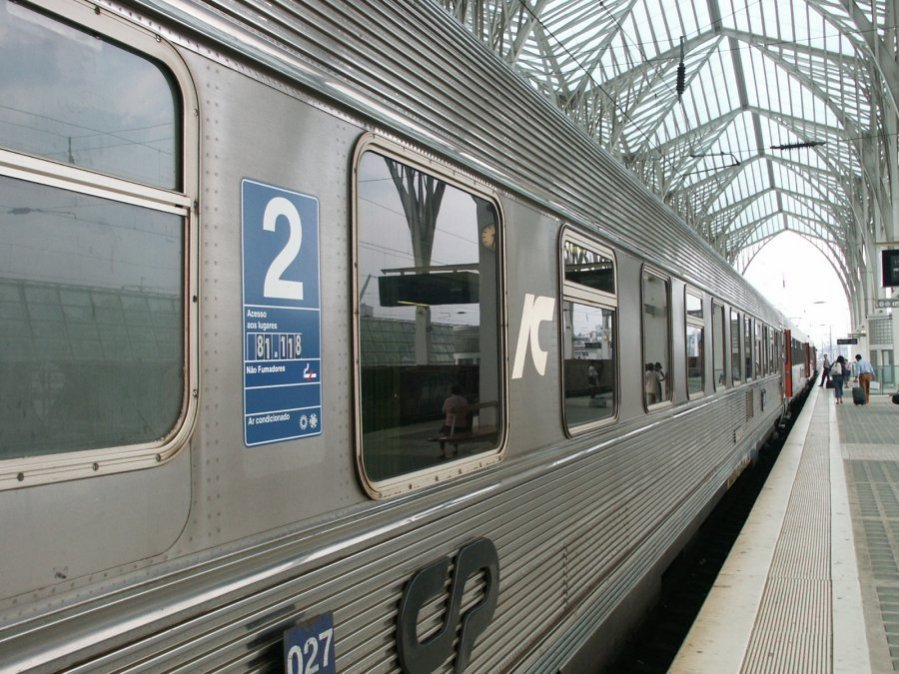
858 395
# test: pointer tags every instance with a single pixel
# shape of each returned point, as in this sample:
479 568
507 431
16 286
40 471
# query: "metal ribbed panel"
793 632
573 541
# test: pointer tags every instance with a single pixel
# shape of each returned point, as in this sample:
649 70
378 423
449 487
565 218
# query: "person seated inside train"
652 384
456 413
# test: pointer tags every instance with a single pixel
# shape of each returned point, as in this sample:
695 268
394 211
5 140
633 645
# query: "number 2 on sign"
307 656
276 286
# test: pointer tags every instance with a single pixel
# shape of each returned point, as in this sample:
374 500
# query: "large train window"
589 307
428 330
735 362
695 332
94 275
656 339
719 327
60 102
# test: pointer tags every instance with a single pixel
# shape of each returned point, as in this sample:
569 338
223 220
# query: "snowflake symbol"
313 421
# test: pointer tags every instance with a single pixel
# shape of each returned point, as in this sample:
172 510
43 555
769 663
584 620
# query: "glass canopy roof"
748 117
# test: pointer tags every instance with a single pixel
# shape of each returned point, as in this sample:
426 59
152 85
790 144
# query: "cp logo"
420 657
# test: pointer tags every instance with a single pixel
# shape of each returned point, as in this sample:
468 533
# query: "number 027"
306 656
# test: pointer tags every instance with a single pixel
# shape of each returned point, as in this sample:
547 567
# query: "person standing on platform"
662 378
825 371
837 371
865 373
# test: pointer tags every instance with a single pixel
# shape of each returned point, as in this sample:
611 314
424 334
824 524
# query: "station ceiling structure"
748 117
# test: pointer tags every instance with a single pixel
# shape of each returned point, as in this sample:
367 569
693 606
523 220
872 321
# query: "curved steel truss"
748 117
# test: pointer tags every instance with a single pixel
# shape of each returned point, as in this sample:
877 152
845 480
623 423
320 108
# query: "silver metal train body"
248 261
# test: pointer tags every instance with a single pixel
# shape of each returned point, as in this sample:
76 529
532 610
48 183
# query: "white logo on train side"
536 310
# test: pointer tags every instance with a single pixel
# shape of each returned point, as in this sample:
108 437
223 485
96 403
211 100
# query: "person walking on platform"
865 373
837 371
825 370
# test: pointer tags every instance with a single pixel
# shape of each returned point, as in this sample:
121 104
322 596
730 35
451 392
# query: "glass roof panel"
762 118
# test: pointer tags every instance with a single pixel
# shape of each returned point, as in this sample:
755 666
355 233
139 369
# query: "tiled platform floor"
812 584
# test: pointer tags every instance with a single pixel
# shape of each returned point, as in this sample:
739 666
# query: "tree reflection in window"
428 319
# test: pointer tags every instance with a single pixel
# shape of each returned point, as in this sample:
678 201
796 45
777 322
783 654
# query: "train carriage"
249 252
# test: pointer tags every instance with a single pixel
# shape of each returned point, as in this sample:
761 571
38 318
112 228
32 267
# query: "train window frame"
735 340
773 351
719 343
694 322
402 483
574 292
779 352
757 353
179 201
667 380
746 335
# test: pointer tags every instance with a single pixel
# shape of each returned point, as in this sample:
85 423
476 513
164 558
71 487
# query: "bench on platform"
456 438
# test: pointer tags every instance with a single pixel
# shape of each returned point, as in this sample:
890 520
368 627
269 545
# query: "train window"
96 274
759 350
87 332
695 330
69 113
589 268
736 364
656 339
719 324
429 320
589 308
773 351
777 351
799 356
747 346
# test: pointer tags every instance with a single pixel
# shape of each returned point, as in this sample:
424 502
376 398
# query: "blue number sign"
309 647
281 315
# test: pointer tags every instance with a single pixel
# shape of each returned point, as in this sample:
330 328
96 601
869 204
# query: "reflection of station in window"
429 286
592 350
599 275
589 268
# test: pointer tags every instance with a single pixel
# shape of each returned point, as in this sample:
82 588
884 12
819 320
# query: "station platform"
812 583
